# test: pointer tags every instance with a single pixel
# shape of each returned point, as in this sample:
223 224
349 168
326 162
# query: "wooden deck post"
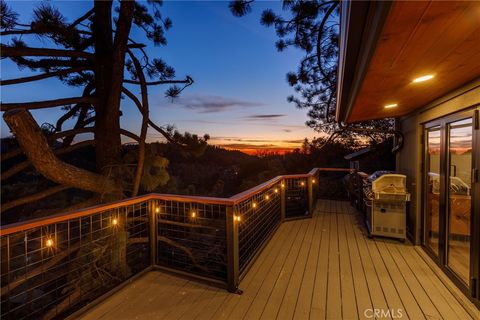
283 187
232 251
153 231
310 196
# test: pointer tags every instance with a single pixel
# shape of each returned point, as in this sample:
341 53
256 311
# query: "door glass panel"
459 197
432 216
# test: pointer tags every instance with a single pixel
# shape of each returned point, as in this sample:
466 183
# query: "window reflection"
432 216
459 199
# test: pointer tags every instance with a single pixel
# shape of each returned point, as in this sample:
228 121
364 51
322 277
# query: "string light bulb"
49 243
276 190
193 214
237 218
313 180
302 183
267 197
157 209
254 205
114 222
283 185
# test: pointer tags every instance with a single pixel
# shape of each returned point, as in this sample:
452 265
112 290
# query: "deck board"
319 268
305 295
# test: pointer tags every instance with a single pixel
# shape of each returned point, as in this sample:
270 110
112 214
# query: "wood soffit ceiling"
420 38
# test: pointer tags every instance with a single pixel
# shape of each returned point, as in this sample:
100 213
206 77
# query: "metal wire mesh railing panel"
332 185
296 197
53 270
259 216
191 237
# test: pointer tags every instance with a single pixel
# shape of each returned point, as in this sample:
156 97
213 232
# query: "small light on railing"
267 197
302 183
157 209
237 218
276 190
254 205
313 181
49 243
193 214
114 222
283 185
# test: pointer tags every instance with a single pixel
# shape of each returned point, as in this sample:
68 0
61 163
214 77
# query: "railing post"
153 231
310 195
232 251
283 187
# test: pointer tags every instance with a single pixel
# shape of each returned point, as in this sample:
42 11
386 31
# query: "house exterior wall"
409 159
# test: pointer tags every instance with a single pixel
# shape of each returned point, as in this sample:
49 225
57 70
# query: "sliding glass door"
451 208
459 200
432 206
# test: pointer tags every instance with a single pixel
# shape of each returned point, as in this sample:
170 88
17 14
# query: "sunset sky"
239 94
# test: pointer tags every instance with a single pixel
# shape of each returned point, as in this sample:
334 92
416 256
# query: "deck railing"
53 266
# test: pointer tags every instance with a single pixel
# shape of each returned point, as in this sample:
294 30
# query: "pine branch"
8 51
187 81
26 164
37 32
319 40
42 76
46 103
52 63
31 198
137 103
50 138
66 116
36 148
183 248
129 134
79 20
143 131
66 133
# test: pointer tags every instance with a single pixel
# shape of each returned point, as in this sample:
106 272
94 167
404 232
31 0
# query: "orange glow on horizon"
257 151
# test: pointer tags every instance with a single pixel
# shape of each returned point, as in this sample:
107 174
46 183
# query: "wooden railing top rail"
33 223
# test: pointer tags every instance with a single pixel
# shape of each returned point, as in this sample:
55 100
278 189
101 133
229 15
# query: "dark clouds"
264 116
209 104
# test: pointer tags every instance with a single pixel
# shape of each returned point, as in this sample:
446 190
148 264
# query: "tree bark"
102 36
25 164
36 148
110 56
66 133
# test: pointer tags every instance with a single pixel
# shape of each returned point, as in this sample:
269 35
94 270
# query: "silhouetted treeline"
219 172
212 172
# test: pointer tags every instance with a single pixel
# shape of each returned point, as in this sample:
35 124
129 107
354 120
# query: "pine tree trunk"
110 64
107 122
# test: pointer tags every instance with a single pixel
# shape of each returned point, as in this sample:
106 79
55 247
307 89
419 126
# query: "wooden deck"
320 268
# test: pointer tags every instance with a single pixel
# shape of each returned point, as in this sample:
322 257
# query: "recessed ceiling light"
392 105
423 78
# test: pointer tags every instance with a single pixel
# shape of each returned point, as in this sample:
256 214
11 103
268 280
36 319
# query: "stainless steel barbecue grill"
386 196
